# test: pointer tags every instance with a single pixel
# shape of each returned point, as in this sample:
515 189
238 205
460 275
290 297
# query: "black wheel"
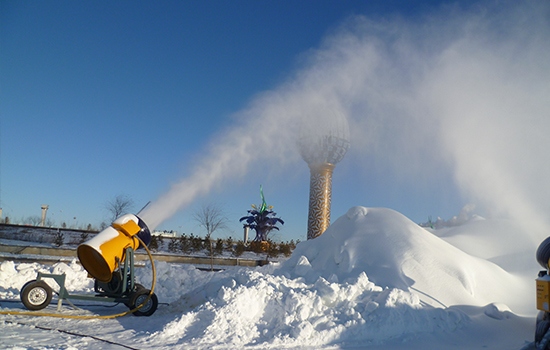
137 287
36 295
139 297
26 284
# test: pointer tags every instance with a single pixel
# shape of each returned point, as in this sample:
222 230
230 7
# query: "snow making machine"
109 259
542 334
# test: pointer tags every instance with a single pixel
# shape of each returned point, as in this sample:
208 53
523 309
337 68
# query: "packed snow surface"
374 279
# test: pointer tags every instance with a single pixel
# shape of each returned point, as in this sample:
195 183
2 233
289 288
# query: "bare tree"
34 220
211 217
119 205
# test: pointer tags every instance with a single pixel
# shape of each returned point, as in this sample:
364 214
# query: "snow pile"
14 276
374 277
394 252
250 307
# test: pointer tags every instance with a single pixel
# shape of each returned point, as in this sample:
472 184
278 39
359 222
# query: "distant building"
165 233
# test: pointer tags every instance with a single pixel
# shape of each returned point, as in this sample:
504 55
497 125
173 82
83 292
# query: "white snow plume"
268 127
489 94
462 92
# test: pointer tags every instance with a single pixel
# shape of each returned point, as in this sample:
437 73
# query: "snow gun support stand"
113 282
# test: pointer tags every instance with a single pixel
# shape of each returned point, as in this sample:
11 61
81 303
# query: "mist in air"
465 91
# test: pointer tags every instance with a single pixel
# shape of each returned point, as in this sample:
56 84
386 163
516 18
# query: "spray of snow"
463 91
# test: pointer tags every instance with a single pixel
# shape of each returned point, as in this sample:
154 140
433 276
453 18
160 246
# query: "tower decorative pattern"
324 141
320 193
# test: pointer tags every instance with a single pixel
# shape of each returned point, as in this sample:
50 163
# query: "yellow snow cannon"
109 259
102 254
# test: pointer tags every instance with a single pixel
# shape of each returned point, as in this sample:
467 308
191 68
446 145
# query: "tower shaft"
320 191
44 210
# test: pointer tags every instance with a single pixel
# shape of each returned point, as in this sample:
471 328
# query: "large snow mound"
395 252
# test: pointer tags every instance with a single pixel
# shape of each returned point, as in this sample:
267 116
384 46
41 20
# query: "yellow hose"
94 317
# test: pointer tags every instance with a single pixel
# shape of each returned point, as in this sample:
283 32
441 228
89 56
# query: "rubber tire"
137 287
139 297
26 284
36 295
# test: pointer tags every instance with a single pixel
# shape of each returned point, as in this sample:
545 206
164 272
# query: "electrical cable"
95 317
80 305
73 333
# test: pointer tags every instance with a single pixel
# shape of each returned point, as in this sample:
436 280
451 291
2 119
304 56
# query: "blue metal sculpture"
261 219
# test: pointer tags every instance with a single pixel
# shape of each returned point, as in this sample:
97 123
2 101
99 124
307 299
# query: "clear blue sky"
100 98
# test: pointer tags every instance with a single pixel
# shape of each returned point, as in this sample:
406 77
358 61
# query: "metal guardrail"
180 259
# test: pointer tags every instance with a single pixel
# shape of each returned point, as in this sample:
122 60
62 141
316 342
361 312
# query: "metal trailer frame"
120 291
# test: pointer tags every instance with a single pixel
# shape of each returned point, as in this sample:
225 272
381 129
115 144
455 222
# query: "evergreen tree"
218 250
173 245
286 249
292 245
272 249
196 243
185 244
83 237
239 248
154 244
206 243
58 241
229 245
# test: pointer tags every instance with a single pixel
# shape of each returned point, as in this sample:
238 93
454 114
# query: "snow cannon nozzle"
101 255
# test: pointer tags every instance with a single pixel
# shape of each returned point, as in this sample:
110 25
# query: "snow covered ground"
373 280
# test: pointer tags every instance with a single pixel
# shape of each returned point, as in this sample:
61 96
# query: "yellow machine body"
101 255
543 293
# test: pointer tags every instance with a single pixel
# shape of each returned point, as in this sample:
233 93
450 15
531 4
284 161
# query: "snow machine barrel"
101 255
